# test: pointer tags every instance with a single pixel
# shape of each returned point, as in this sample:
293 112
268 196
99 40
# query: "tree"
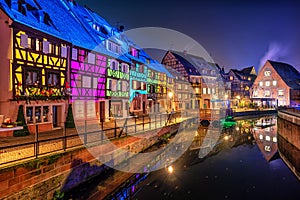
21 122
70 119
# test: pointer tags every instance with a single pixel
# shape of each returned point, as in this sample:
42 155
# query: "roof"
58 15
193 64
249 70
288 73
73 23
246 72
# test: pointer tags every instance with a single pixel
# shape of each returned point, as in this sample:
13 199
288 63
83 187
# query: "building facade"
277 84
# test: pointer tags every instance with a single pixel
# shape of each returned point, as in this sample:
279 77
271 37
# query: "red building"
277 84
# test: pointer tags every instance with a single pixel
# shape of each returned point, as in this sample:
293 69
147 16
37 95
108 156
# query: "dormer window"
113 47
134 52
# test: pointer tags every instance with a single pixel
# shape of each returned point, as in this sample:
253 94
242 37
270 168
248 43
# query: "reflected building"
265 134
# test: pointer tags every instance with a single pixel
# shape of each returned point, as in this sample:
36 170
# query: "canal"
242 163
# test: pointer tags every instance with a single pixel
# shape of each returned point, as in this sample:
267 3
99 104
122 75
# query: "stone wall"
40 178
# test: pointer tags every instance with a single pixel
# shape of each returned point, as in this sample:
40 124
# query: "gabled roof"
193 64
249 70
240 74
58 15
288 73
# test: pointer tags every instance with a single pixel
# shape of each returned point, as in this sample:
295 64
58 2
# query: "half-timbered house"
37 60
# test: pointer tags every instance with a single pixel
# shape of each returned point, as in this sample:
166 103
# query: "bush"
70 119
21 122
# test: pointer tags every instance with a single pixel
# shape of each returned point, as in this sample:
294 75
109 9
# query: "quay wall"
43 177
288 127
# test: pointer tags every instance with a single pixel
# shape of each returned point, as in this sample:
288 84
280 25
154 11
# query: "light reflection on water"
242 163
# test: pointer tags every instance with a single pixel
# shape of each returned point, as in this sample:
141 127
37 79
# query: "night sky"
236 34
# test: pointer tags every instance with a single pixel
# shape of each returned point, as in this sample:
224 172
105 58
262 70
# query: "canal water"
243 163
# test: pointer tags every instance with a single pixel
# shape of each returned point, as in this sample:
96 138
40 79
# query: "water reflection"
240 162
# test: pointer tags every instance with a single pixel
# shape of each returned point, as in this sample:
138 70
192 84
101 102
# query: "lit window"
231 78
208 90
249 79
197 90
267 73
274 83
37 45
255 93
267 93
280 93
274 139
213 90
204 90
267 83
261 83
268 138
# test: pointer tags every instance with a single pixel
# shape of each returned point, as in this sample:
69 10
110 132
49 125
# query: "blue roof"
73 23
58 18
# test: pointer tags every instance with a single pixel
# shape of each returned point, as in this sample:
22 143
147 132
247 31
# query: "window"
197 90
255 93
231 78
261 83
46 48
274 83
267 83
95 83
144 86
37 114
91 58
124 68
113 85
141 69
204 90
86 81
213 90
24 41
114 65
280 93
38 45
208 90
124 86
267 73
113 47
134 52
30 43
32 77
53 79
267 93
64 51
249 79
74 54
